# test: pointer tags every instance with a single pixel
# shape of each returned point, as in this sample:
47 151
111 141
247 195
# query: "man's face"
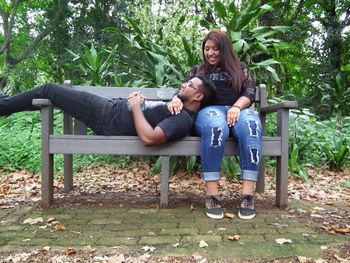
189 89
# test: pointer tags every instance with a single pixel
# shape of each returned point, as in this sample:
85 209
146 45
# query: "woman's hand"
233 116
175 105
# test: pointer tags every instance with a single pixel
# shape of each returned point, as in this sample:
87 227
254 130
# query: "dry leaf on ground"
282 241
229 215
33 221
70 251
60 228
234 238
202 243
147 248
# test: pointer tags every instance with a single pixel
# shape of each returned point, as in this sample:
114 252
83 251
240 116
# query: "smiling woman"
228 115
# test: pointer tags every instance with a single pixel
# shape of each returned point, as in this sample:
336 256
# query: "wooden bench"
75 141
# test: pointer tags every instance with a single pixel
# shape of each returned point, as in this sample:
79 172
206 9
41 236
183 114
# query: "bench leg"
260 186
68 172
282 182
164 183
47 180
282 161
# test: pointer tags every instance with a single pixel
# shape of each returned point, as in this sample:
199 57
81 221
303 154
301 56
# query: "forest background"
299 48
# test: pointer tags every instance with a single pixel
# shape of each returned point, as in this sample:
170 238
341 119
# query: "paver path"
171 232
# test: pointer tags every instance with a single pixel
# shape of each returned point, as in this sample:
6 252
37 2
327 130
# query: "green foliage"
337 154
336 96
253 43
230 166
295 168
96 66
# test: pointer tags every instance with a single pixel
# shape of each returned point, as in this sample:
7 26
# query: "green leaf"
220 8
204 23
267 7
235 36
281 28
134 25
267 62
273 73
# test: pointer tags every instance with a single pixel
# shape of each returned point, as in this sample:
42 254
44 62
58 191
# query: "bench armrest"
41 102
279 106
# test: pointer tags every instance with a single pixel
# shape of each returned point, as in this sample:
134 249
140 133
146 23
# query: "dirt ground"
106 186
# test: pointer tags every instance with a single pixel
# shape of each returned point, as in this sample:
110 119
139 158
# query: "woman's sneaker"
247 208
213 207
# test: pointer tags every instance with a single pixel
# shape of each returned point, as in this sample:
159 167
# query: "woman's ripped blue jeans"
211 125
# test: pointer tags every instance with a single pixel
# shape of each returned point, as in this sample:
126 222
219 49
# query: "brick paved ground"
170 232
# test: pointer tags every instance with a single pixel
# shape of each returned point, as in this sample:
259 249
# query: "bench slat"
131 145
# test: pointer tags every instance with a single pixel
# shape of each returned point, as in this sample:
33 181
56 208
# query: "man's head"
200 88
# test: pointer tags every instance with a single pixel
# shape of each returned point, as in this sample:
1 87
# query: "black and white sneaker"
213 207
247 208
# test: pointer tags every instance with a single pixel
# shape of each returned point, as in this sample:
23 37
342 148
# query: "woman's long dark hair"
229 61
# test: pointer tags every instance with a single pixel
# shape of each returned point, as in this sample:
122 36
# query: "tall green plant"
96 66
253 43
156 66
336 96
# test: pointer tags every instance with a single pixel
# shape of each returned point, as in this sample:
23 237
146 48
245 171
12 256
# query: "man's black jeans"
86 107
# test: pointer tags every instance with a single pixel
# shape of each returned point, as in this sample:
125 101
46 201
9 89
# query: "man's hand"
175 105
136 99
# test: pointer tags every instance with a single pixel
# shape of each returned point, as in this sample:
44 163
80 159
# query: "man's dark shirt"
119 119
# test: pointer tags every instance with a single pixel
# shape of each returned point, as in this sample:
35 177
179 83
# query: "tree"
24 27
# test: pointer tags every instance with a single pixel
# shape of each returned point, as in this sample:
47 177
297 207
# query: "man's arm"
148 135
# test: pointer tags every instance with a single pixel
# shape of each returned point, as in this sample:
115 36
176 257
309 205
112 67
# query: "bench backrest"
150 93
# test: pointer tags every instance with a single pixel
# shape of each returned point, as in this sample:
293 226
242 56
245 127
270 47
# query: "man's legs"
211 125
83 106
248 133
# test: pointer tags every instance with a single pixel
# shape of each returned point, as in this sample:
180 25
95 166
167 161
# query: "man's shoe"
213 207
247 209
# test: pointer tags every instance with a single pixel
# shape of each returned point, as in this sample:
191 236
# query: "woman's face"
212 53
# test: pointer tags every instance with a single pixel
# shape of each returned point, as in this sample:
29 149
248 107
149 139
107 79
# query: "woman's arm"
247 98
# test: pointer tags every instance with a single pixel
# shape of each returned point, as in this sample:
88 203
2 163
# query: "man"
153 123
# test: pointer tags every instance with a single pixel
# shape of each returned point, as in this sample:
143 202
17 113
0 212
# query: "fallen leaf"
340 230
234 238
176 244
60 228
147 248
222 229
229 215
33 221
49 220
282 241
324 247
26 240
145 256
303 259
151 233
44 249
193 208
116 259
70 251
202 243
319 208
197 256
320 260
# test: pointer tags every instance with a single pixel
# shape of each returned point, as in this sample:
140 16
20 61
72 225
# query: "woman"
228 116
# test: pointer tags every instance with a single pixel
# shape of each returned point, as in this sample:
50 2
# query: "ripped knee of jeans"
216 136
253 128
213 113
254 156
